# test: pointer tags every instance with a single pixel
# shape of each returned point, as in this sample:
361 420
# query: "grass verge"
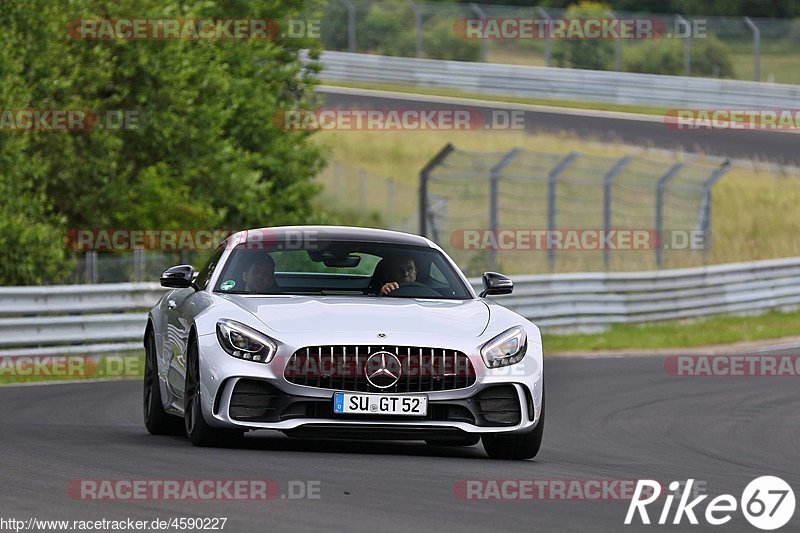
570 104
679 333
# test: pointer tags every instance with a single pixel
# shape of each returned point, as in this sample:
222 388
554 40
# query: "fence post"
91 266
362 190
756 49
417 27
687 47
483 43
351 25
138 264
337 181
617 49
389 201
424 175
494 181
608 181
660 186
552 179
548 43
705 206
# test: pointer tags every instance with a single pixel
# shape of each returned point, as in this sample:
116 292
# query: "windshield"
343 268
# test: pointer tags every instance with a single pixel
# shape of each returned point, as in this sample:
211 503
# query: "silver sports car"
341 332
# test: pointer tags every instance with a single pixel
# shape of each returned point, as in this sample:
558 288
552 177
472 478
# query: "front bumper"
300 410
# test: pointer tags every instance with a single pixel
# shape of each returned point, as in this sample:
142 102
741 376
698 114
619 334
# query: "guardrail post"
704 224
494 181
552 180
548 43
660 186
756 49
424 176
483 43
608 181
417 27
687 47
351 25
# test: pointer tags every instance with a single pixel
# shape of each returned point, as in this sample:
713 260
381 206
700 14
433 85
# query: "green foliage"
206 154
710 57
442 42
592 54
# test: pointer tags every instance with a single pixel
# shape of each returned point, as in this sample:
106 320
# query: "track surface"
615 418
773 146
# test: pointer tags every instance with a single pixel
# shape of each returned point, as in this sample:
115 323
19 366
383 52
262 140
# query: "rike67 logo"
767 503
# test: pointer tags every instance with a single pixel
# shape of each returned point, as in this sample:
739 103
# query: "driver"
260 275
402 270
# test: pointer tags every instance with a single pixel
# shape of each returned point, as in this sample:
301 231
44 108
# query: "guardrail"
77 318
560 83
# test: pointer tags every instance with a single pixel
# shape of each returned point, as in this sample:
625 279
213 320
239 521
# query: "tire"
525 446
156 419
469 440
196 427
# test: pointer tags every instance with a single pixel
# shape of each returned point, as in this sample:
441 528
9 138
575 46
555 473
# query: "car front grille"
346 367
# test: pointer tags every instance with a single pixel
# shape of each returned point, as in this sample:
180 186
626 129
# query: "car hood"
463 318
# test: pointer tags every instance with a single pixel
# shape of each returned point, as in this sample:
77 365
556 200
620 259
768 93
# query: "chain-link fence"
361 197
523 211
519 212
731 47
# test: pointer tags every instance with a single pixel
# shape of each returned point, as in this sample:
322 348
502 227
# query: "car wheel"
197 429
156 419
469 440
524 446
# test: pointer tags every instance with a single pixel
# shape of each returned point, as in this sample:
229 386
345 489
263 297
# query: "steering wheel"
414 289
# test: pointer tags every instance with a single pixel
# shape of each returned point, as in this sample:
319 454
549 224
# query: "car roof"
329 233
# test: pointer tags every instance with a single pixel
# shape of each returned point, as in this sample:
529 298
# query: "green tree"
207 153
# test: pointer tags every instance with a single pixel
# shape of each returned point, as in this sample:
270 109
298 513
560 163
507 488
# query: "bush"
710 57
589 54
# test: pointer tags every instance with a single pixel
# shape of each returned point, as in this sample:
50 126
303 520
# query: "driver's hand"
389 287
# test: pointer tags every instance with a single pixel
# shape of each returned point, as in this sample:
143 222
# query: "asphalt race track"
771 146
612 418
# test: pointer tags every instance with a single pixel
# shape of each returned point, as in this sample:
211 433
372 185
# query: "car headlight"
506 349
244 342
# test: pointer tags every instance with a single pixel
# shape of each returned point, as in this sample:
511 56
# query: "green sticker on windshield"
227 285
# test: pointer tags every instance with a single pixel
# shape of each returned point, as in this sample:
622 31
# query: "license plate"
379 404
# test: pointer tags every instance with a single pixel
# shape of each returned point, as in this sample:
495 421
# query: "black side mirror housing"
494 283
179 277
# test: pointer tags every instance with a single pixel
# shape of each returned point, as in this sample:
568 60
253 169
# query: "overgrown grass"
679 333
754 211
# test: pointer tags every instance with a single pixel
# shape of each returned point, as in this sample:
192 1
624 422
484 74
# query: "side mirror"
179 277
494 283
